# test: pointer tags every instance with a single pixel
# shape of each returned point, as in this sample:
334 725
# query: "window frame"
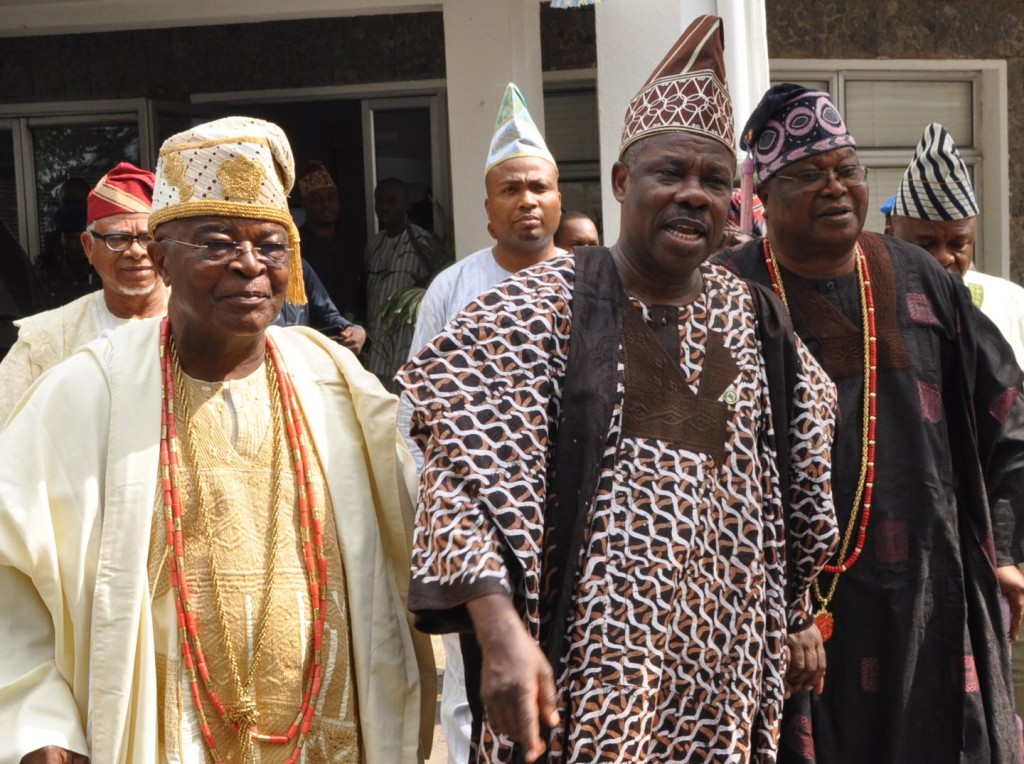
23 118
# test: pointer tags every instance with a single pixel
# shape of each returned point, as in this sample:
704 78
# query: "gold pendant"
825 623
243 713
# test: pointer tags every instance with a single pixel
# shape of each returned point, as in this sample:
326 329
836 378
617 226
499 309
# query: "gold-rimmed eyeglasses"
273 254
814 180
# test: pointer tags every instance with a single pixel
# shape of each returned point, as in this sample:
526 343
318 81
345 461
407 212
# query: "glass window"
8 183
571 132
893 114
402 149
571 126
76 151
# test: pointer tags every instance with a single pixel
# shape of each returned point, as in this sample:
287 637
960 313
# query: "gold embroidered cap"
313 176
232 167
686 92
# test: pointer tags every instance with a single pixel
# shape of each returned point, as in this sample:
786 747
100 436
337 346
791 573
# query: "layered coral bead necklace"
860 513
241 717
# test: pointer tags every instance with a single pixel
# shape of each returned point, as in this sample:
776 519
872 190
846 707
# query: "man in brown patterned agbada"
625 492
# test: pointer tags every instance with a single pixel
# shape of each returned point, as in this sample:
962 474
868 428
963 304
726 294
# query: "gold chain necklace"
243 712
869 420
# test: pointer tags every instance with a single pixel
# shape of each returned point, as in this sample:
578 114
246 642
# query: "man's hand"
354 337
54 755
806 661
1011 584
517 685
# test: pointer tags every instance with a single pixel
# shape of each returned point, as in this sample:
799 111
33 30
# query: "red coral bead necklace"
846 558
311 529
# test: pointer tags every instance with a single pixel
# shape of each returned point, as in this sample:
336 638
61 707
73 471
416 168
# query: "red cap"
124 190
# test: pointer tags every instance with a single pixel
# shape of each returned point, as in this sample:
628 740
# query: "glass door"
406 138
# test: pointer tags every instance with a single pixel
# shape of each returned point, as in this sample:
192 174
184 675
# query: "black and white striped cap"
936 185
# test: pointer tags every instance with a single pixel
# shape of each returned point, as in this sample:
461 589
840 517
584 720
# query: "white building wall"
487 45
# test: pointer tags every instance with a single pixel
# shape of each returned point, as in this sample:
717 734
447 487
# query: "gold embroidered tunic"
234 442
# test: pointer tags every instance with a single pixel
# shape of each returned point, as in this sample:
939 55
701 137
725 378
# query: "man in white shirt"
523 211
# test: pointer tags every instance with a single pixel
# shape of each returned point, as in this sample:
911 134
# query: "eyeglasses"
814 180
119 241
273 254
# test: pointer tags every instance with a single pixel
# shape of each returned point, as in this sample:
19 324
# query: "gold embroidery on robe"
235 419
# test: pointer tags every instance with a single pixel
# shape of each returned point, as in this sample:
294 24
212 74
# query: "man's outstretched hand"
517 685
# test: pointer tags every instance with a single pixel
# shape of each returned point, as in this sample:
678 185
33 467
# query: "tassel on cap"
747 195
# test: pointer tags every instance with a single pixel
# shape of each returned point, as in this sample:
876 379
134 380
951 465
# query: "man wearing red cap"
115 242
625 490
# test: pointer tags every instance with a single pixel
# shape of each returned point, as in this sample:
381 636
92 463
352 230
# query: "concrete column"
746 56
487 45
630 44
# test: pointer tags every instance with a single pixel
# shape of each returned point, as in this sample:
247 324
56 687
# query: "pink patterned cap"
791 123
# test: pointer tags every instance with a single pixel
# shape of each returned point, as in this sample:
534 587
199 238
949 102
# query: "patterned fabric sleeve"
485 395
812 531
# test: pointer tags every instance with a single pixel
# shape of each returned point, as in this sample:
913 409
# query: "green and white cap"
515 132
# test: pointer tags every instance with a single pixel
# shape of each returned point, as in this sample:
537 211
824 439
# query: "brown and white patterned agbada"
675 643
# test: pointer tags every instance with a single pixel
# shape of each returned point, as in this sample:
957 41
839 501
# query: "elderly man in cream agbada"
183 566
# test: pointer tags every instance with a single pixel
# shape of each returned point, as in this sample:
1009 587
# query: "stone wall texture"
924 29
171 64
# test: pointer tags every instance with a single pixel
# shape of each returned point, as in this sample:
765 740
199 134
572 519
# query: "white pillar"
488 43
630 44
746 57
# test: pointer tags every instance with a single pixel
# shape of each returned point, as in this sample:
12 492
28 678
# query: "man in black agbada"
927 477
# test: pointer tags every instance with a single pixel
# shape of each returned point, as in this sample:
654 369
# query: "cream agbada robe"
76 632
46 339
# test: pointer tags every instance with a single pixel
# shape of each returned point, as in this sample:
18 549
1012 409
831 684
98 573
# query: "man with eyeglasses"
205 519
115 239
927 468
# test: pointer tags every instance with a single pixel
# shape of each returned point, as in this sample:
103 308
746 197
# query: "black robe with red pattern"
918 666
689 564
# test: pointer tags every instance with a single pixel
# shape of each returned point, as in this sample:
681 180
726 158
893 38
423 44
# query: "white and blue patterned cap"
936 185
515 132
